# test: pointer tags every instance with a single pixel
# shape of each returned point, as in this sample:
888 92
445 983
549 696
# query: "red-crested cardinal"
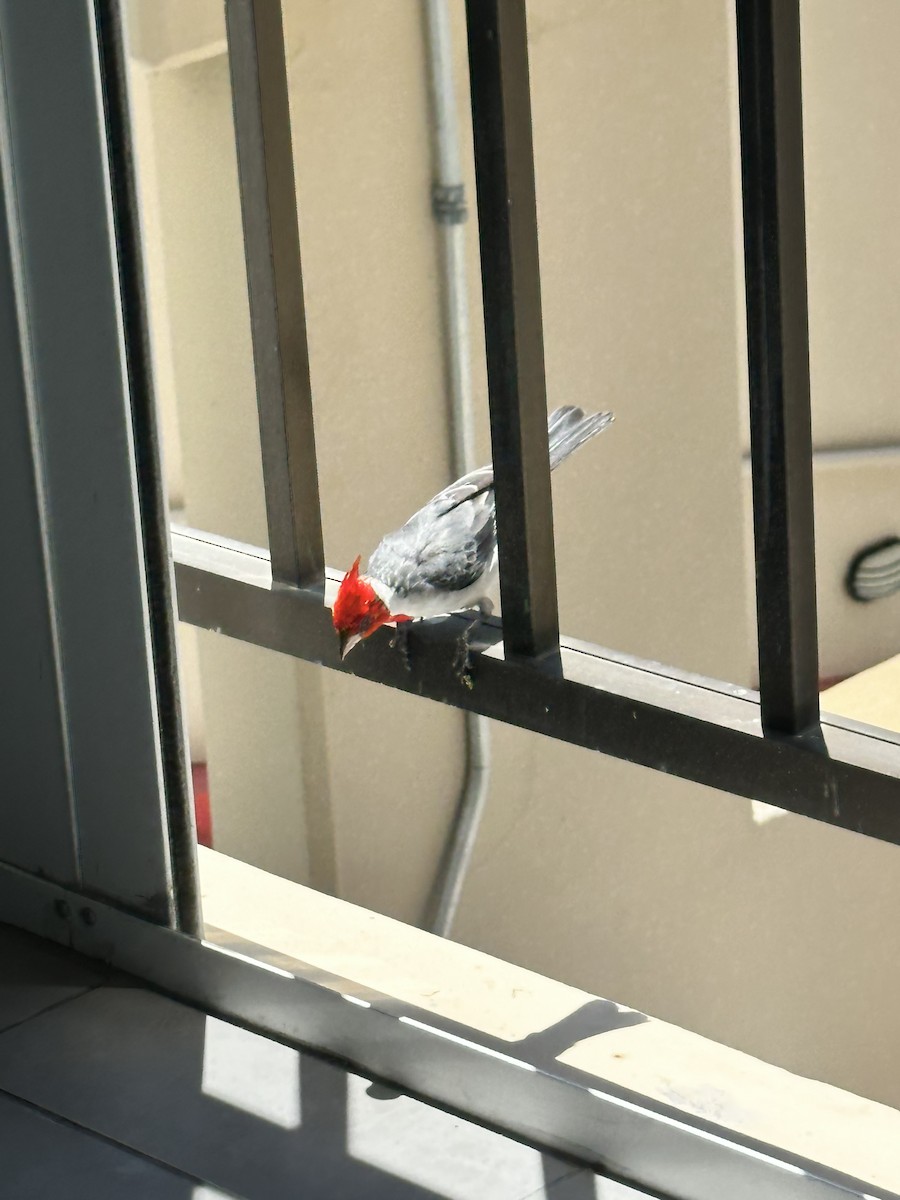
444 559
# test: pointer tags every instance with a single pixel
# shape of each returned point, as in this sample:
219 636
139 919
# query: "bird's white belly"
436 603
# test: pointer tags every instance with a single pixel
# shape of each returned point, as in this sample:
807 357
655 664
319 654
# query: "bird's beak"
348 641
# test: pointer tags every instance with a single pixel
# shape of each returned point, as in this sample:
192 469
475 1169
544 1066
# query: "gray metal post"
59 209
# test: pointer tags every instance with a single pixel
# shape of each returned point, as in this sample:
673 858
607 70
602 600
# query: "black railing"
769 746
768 39
514 337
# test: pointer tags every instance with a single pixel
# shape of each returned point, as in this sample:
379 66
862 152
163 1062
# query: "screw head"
62 909
88 916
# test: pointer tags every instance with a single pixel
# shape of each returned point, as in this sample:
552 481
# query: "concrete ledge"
871 697
554 1026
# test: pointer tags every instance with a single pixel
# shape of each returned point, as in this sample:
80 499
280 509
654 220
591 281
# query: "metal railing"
769 746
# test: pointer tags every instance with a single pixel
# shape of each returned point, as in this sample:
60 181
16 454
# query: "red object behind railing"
202 814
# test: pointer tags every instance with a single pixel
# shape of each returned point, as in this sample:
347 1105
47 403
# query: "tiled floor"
109 1091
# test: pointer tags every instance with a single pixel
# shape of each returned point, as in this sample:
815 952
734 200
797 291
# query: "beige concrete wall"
619 880
852 108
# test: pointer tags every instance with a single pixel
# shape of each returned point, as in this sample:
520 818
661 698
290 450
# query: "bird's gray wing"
446 545
469 487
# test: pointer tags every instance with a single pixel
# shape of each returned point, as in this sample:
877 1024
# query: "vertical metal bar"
58 170
768 43
151 488
277 314
510 280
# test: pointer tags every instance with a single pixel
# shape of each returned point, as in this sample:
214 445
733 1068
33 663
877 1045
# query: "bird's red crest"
358 608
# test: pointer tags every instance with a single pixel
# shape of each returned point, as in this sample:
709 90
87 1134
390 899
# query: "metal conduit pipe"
449 208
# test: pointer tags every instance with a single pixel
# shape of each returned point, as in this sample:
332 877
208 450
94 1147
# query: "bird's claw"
462 662
400 642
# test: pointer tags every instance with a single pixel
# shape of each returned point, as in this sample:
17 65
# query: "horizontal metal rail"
685 725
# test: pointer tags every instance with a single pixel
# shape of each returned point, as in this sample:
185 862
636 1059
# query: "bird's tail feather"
568 428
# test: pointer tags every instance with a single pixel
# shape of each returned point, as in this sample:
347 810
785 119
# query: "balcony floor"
111 1090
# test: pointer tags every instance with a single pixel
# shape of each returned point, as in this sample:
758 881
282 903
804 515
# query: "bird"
444 559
